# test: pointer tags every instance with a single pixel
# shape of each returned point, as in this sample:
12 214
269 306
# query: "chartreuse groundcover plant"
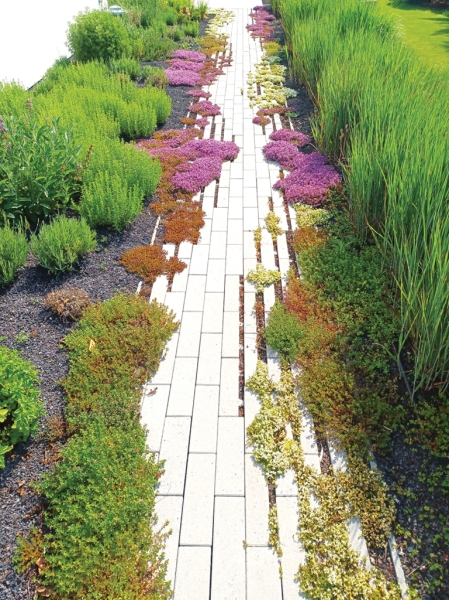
101 538
20 404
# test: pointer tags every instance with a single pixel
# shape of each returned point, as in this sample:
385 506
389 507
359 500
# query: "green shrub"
283 332
20 405
98 35
160 101
52 75
101 518
13 253
109 201
62 243
191 29
130 66
154 46
39 169
129 337
13 99
134 167
154 76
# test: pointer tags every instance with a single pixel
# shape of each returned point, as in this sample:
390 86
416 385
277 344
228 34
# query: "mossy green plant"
307 216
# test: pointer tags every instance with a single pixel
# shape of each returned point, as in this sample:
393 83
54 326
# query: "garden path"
213 493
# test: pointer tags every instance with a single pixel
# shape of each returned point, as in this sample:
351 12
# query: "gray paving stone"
262 574
256 503
215 281
235 207
169 508
232 286
185 250
198 510
210 359
180 279
234 260
159 289
252 407
220 219
165 372
230 347
180 402
203 437
250 219
213 312
357 541
250 354
218 245
193 573
198 263
230 457
249 321
286 485
235 231
154 407
196 288
228 563
229 388
189 336
175 302
175 441
292 552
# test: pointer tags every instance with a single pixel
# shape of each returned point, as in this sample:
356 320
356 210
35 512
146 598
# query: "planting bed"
277 389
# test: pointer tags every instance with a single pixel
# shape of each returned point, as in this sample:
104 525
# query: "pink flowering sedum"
180 77
212 148
199 94
290 135
310 181
205 108
189 55
186 65
285 153
196 175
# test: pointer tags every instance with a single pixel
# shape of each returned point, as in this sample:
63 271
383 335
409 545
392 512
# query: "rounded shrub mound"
98 35
13 253
62 243
20 405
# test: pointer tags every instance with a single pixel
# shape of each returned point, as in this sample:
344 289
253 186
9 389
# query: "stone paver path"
213 493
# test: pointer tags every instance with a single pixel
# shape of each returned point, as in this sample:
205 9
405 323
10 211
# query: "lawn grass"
425 29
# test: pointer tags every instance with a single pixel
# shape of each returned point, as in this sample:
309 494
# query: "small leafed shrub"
39 170
98 35
283 332
149 262
118 344
13 253
154 77
61 244
68 303
130 66
109 201
20 405
102 542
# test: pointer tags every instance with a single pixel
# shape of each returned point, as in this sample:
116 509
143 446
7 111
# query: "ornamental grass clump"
13 253
62 243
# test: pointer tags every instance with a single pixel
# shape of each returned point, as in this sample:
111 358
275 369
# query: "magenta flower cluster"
205 109
196 175
211 148
201 160
290 135
310 178
181 77
199 94
189 55
185 65
262 26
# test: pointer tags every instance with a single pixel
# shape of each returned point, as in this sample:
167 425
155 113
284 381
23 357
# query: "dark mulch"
22 313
